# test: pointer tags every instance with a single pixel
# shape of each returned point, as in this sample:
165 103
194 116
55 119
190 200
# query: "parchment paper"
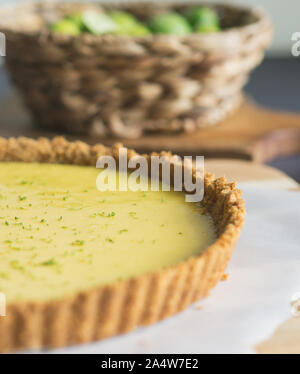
243 311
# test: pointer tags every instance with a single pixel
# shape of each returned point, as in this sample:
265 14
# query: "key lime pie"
77 264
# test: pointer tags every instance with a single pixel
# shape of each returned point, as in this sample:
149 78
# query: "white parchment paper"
264 273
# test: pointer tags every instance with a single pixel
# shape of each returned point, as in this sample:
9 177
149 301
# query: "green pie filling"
59 234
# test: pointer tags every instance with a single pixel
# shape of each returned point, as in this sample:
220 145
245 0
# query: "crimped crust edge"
105 311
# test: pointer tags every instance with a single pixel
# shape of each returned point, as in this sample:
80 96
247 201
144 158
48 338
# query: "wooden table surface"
247 171
286 338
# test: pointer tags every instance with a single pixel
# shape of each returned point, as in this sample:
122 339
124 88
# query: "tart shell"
105 311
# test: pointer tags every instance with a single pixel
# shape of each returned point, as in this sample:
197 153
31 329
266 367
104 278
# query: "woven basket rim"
263 21
181 83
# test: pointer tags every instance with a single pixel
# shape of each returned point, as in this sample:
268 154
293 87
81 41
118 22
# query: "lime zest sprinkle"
78 242
103 214
133 215
51 261
16 265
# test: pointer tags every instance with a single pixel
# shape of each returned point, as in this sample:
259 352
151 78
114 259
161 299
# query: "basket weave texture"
126 86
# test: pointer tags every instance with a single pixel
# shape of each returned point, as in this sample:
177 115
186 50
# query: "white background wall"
285 15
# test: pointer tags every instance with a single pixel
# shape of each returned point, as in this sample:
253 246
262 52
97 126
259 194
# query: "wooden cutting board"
251 133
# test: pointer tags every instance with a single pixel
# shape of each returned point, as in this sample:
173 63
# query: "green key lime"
139 30
76 18
203 19
170 23
127 24
123 19
66 27
98 23
207 28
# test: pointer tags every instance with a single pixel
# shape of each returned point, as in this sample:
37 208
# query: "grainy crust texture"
113 309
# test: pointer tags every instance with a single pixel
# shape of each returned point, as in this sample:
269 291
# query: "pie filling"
59 234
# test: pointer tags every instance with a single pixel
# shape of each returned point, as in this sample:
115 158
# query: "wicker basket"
126 86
